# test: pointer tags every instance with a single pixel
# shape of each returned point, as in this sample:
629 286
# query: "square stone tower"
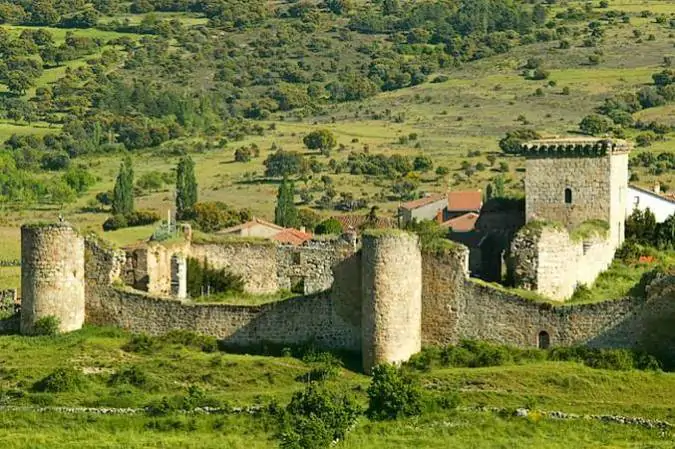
574 180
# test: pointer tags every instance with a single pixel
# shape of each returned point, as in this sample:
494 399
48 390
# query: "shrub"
201 277
191 340
315 418
115 222
61 380
47 325
142 218
325 366
142 344
330 226
393 394
132 375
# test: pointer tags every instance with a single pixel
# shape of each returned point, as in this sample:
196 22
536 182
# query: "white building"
638 198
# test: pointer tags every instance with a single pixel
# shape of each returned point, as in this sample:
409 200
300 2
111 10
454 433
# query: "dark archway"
568 196
544 341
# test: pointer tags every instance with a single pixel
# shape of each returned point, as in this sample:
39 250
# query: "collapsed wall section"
392 297
52 276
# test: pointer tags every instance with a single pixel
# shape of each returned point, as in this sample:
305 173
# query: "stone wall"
294 321
255 262
310 266
265 266
456 307
549 261
52 276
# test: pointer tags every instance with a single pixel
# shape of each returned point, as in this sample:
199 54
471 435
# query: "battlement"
575 147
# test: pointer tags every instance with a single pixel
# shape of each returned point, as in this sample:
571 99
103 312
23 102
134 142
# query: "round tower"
52 276
392 297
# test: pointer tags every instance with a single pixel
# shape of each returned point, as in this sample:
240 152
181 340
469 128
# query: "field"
169 369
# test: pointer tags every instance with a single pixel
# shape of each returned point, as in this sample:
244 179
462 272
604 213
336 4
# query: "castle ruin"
382 296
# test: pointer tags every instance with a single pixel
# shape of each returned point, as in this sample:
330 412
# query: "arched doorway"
544 340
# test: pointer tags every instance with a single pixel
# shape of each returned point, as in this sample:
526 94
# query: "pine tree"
123 193
186 186
286 213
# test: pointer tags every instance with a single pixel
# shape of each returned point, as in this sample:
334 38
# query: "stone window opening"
544 340
568 196
297 258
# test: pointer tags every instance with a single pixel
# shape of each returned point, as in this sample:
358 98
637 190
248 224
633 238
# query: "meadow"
170 368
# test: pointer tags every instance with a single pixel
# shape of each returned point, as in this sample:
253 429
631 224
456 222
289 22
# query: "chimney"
302 229
657 188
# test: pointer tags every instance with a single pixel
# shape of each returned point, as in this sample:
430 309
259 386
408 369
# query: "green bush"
393 394
201 277
132 375
115 222
191 340
315 418
325 366
47 325
61 380
141 343
142 218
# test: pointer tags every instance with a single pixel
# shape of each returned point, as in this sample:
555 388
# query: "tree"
594 125
510 144
322 140
61 193
499 188
423 163
338 7
123 192
330 226
286 213
186 186
283 164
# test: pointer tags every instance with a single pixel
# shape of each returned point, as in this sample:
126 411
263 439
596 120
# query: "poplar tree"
186 186
285 213
123 193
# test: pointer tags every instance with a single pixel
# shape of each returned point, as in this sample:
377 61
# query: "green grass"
97 353
245 299
461 430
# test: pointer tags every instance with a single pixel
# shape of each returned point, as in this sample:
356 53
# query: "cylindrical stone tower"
52 276
392 297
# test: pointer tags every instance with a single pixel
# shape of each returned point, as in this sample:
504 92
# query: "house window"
297 258
544 340
636 201
568 196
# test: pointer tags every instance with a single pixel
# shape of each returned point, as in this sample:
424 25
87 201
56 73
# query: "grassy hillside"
170 369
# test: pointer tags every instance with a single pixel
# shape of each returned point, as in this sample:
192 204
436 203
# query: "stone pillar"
52 276
179 276
392 297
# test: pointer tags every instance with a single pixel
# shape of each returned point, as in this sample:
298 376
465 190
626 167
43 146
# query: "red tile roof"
292 237
463 223
468 200
410 205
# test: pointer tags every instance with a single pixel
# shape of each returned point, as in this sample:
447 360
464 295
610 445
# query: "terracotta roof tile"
463 223
469 200
292 237
410 205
